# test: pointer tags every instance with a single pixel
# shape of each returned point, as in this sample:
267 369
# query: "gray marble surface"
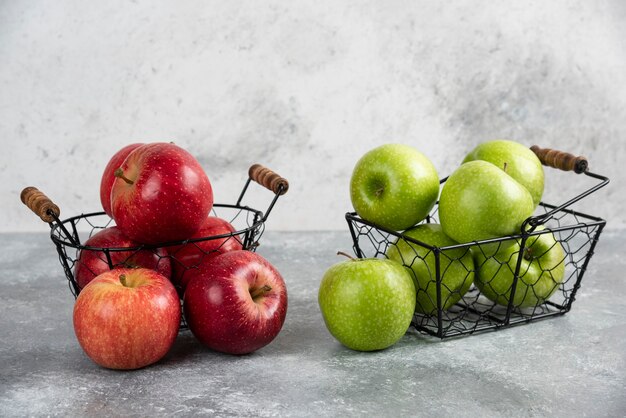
574 365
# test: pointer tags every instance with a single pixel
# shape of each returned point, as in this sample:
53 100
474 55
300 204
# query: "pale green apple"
541 271
394 186
367 304
456 267
480 201
519 161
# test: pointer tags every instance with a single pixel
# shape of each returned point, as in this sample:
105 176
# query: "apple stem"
528 254
123 280
346 255
505 166
119 173
260 291
379 191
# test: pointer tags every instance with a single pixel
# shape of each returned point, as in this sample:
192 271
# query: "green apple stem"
379 191
260 291
123 280
119 173
505 166
528 254
346 255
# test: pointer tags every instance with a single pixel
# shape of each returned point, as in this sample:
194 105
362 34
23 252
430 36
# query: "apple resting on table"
192 255
235 304
367 304
161 194
91 263
127 318
108 176
394 186
456 267
541 272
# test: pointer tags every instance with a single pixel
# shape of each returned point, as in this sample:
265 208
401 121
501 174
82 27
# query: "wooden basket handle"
561 160
40 204
268 179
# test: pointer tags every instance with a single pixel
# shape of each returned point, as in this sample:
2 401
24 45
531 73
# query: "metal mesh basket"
455 280
70 235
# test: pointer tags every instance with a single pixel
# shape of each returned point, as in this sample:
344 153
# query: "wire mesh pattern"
490 284
71 235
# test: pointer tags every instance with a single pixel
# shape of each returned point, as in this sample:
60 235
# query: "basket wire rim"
57 233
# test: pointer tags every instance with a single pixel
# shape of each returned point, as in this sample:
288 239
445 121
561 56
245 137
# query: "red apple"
92 263
108 175
127 318
191 255
237 303
161 194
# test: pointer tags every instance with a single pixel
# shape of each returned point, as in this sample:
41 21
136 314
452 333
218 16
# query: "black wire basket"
70 235
449 307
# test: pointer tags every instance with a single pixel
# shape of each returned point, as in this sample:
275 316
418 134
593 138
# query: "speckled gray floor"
573 365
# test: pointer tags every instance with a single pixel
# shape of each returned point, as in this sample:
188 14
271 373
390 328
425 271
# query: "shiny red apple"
91 263
161 194
108 175
237 303
127 318
193 254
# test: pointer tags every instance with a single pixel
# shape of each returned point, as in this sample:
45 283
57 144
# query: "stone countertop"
571 365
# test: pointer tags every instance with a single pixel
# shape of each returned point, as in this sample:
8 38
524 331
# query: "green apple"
541 271
519 161
394 186
367 304
480 201
456 267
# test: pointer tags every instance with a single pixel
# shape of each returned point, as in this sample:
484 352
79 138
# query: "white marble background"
305 88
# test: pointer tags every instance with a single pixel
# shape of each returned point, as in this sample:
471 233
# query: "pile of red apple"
367 305
165 247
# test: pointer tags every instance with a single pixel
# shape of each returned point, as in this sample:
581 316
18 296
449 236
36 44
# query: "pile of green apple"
367 304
